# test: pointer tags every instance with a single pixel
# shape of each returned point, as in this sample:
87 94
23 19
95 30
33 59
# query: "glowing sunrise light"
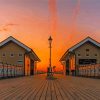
33 21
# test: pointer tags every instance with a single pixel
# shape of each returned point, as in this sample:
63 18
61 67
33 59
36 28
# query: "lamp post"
50 68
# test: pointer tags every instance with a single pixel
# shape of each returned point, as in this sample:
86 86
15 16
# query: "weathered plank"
39 88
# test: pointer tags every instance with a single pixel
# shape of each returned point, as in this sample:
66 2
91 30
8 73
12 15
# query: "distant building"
14 52
85 52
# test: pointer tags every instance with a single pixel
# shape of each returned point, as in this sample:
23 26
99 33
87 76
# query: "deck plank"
39 88
48 92
53 92
43 96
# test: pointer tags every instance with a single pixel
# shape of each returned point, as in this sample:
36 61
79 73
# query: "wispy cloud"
11 24
7 27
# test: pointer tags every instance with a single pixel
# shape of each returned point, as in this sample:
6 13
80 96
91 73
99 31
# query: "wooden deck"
39 88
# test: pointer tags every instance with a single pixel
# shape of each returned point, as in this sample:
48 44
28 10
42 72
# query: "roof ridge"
73 47
84 41
11 38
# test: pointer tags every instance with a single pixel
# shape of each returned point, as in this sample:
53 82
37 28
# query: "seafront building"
17 54
85 53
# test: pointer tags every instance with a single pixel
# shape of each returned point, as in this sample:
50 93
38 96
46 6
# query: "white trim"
84 41
15 41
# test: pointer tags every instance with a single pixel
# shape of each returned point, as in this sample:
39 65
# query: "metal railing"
89 70
8 70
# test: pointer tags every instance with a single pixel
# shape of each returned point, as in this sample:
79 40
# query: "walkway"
38 88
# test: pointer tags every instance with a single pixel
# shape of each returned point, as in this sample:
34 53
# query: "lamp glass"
50 39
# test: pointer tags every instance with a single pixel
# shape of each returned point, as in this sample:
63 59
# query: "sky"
33 21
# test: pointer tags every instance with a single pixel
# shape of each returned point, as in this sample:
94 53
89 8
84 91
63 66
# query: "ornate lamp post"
50 68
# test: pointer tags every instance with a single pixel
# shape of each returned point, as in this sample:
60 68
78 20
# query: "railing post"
94 70
7 69
10 70
99 70
18 70
90 71
82 71
3 69
14 70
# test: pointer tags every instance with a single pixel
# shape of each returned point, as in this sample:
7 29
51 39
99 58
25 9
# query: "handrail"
92 70
9 70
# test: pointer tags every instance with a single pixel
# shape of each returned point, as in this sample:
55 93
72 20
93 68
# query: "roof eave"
63 57
15 41
36 57
84 41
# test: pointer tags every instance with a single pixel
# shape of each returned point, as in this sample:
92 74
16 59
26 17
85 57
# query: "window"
20 62
95 54
79 54
11 54
87 50
3 54
20 55
87 55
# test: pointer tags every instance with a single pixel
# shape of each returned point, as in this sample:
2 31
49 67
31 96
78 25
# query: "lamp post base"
49 73
50 76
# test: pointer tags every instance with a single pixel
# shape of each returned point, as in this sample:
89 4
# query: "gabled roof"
88 39
29 50
15 41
